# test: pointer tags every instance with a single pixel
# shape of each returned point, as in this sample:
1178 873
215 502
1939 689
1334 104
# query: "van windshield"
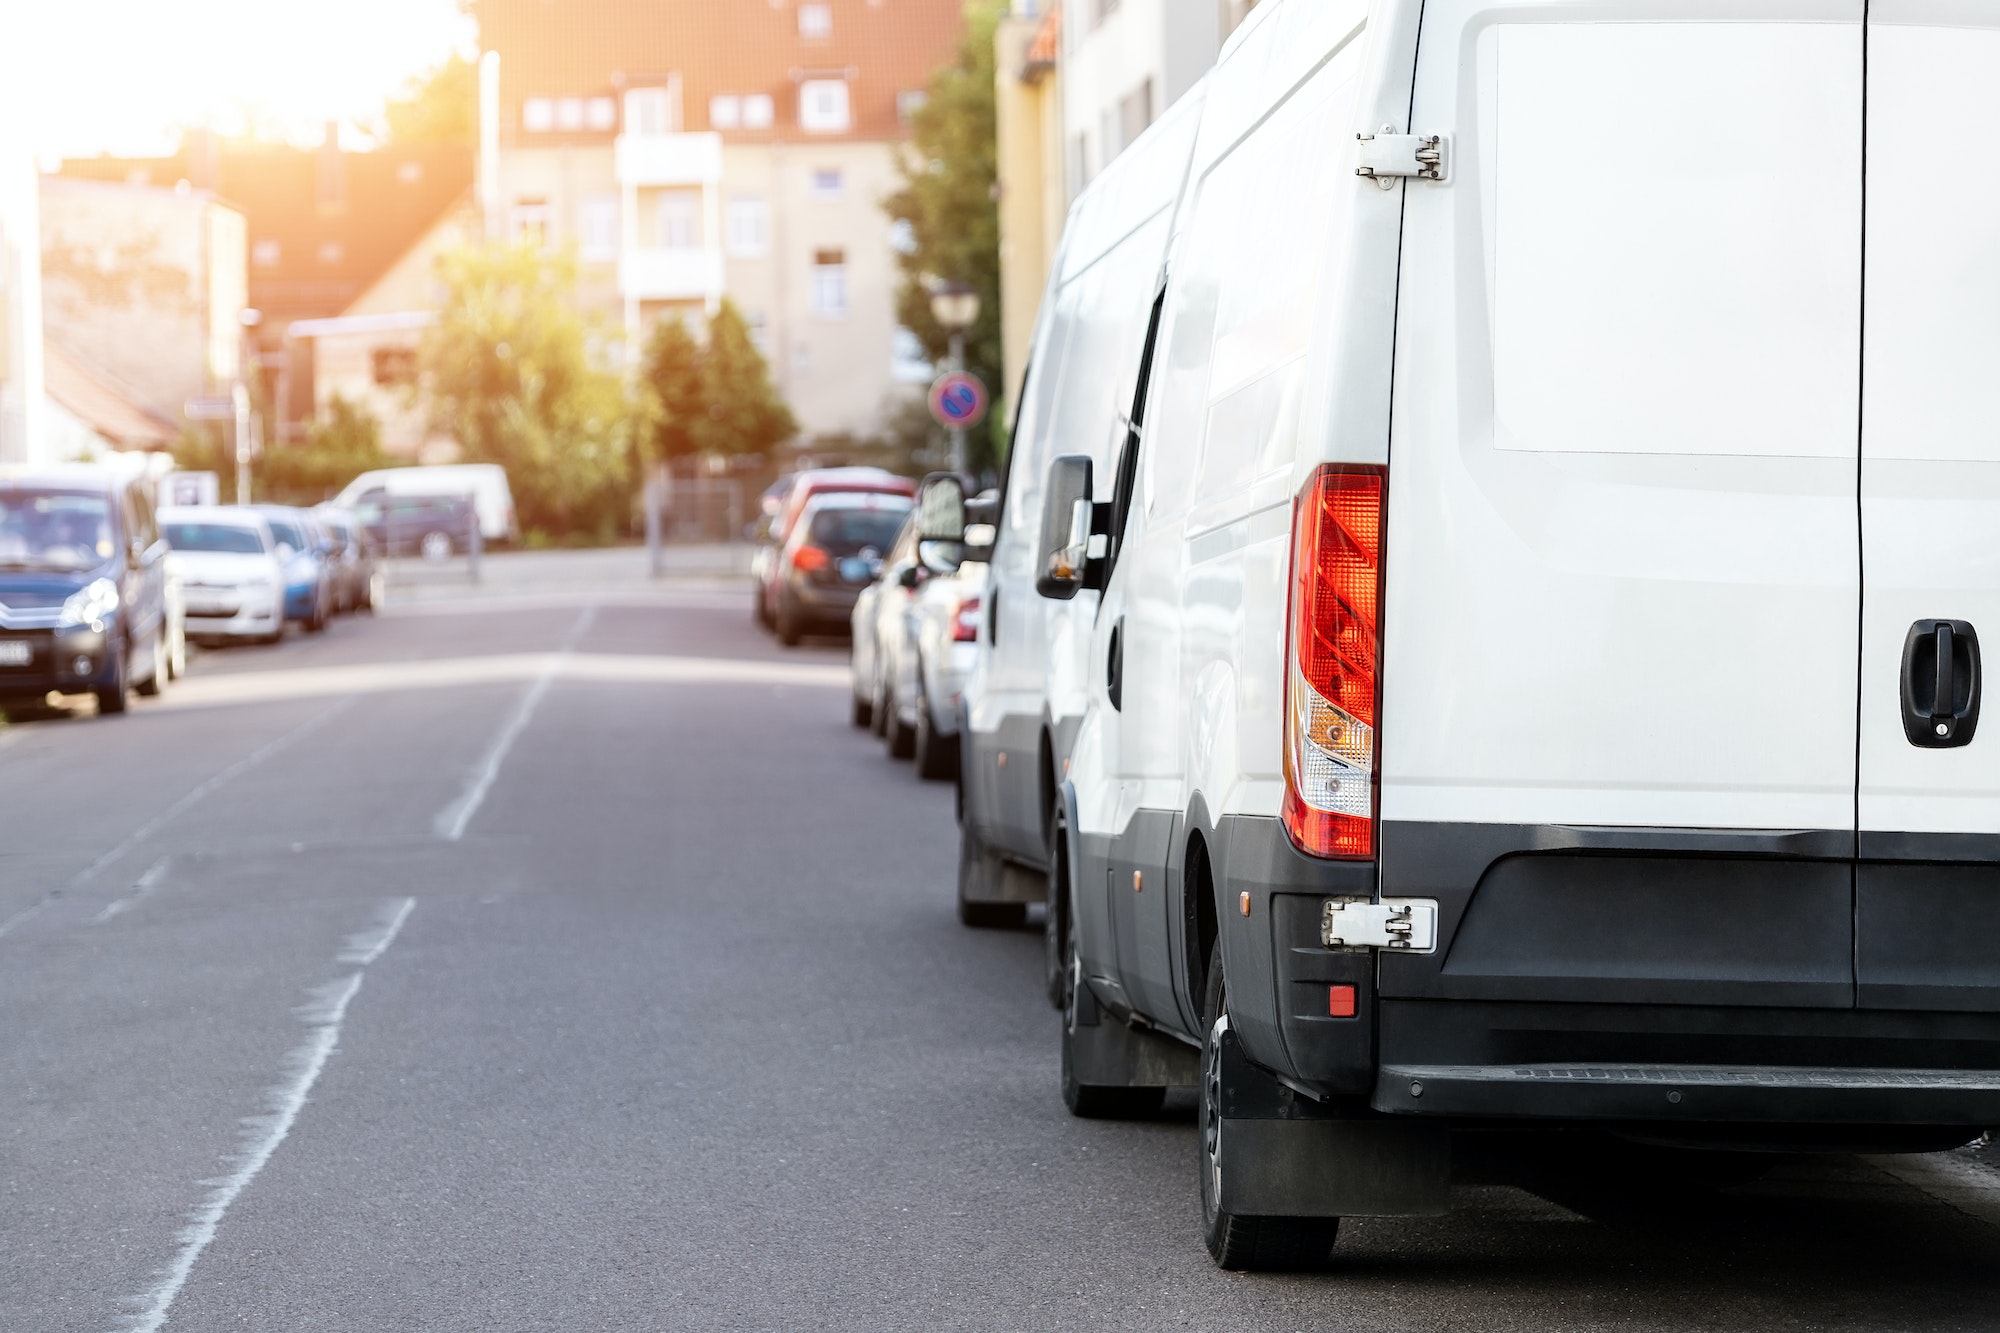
221 538
63 531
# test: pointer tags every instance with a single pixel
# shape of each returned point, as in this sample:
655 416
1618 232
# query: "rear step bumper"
1695 1093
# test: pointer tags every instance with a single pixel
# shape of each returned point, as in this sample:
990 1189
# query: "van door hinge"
1386 155
1402 925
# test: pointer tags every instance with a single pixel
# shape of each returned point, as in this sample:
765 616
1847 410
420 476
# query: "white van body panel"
1033 669
1930 473
1623 572
486 483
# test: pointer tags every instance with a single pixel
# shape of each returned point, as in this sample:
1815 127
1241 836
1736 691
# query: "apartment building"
691 150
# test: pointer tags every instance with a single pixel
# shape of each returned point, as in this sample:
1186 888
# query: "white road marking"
139 890
175 811
366 946
451 821
322 1014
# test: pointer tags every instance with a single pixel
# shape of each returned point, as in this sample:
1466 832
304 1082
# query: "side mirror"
1069 521
285 551
941 508
911 578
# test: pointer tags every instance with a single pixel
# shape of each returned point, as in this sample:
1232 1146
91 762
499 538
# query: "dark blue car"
83 579
306 551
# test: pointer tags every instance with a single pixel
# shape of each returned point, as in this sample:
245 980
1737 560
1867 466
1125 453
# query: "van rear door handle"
1941 684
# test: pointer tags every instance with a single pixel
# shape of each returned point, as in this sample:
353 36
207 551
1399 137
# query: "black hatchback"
83 586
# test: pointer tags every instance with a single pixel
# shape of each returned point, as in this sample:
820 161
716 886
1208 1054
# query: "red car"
769 571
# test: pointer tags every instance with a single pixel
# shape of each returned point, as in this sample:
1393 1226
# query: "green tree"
671 396
343 443
744 414
509 375
949 172
709 396
441 107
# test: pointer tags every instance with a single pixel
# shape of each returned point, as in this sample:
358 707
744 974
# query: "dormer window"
823 107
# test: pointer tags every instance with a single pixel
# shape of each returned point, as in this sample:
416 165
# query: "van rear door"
1928 889
1623 569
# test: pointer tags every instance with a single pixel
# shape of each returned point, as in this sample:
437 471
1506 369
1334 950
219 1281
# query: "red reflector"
808 558
1340 1001
965 625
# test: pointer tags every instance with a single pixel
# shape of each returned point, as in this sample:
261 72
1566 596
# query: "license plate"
16 652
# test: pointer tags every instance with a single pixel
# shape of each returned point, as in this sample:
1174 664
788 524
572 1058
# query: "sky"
80 77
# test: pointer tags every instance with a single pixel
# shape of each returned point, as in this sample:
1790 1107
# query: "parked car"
304 551
231 575
83 586
1032 664
923 642
1403 794
484 485
435 527
766 568
356 580
833 553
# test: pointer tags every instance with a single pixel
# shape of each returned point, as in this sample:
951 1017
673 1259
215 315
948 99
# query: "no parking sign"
958 401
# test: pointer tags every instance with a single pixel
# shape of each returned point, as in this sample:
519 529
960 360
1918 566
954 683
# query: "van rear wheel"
1236 1242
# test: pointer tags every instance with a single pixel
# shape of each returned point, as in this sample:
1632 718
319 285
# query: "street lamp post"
955 306
245 419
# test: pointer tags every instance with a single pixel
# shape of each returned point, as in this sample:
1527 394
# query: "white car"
484 483
914 629
232 581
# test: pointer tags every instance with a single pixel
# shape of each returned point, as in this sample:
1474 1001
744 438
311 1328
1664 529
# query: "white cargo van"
1536 678
1031 671
485 483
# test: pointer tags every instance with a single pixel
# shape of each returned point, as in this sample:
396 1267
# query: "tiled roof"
323 227
590 48
101 404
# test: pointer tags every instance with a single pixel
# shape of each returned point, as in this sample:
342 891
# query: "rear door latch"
1401 925
1940 684
1386 155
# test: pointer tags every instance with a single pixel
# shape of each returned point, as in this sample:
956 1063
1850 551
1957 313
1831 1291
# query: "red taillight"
965 625
808 558
1332 685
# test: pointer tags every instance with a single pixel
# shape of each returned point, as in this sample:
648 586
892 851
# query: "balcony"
655 274
669 159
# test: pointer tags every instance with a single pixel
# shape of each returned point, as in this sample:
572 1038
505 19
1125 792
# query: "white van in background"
1530 754
486 483
1029 681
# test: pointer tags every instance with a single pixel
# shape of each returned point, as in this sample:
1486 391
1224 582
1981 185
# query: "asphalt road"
567 962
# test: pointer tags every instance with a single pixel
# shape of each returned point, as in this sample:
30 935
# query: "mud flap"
1283 1154
1106 1053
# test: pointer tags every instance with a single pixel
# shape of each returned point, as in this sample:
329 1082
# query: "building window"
749 224
725 112
677 221
758 111
267 254
829 284
531 222
760 332
909 103
538 115
601 114
648 112
826 183
1135 113
597 228
393 367
823 106
815 21
332 252
569 113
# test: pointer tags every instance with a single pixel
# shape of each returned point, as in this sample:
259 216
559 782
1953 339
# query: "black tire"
789 632
1055 920
111 700
937 756
902 740
156 684
979 874
1090 1101
862 714
1235 1242
878 710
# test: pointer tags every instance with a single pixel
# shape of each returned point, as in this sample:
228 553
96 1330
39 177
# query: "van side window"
1128 457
